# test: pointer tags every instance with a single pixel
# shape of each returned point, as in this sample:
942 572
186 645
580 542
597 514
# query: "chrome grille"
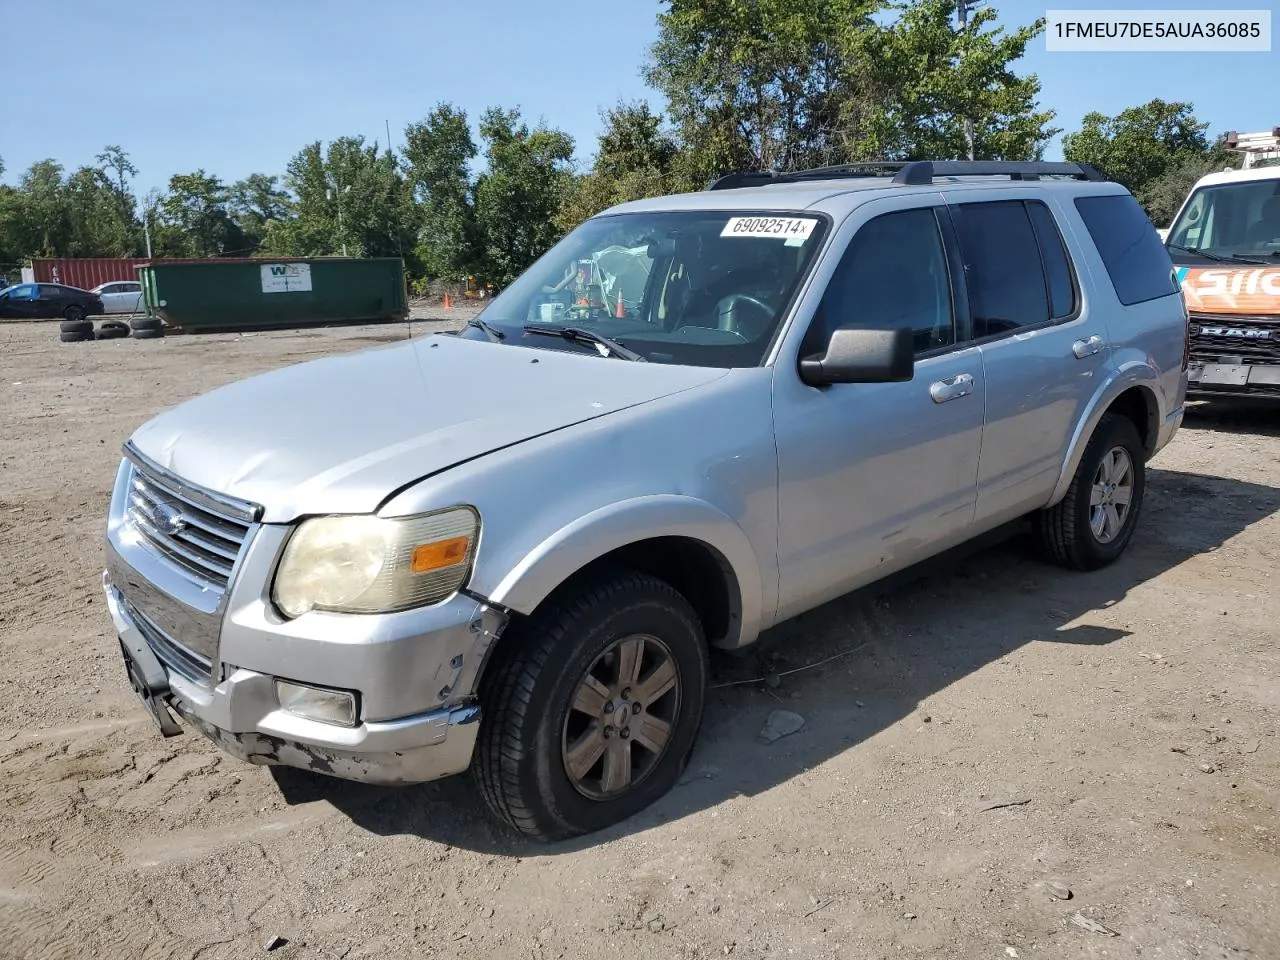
1253 339
198 533
175 656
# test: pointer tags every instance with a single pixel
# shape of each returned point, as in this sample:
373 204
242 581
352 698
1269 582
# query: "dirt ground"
1126 719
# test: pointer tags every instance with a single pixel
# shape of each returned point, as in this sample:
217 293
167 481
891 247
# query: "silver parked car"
509 550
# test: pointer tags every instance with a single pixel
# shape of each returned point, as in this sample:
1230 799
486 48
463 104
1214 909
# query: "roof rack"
914 172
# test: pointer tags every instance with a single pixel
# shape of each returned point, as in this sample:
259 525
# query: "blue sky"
235 89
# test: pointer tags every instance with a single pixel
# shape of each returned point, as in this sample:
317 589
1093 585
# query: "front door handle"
1087 347
960 385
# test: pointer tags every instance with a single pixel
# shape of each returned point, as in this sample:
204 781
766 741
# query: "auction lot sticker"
796 229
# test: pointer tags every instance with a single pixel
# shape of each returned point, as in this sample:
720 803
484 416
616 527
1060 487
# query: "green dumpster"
211 295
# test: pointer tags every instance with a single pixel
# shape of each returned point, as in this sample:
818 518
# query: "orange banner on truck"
1238 291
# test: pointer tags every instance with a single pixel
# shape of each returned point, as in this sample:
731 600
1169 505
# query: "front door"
873 477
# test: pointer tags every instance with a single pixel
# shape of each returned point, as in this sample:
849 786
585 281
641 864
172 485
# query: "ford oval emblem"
172 522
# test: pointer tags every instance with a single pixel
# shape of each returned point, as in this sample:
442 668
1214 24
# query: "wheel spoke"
1112 524
630 654
660 681
584 753
1098 521
1121 468
591 697
617 766
1122 496
1097 495
650 732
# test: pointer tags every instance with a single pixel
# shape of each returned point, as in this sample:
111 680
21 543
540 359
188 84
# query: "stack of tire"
81 328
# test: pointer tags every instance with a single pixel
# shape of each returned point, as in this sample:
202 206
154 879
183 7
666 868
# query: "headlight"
367 564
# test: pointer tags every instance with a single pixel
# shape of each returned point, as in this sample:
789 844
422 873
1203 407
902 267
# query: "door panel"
873 477
1042 348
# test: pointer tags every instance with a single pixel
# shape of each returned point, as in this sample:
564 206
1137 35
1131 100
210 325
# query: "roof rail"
923 171
914 172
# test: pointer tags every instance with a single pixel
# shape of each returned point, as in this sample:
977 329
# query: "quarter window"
893 275
1136 260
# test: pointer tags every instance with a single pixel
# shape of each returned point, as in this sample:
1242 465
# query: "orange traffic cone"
620 311
448 303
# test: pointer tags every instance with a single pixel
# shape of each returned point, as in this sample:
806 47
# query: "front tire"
592 710
1092 525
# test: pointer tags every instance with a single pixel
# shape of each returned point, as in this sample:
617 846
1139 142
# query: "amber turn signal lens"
437 556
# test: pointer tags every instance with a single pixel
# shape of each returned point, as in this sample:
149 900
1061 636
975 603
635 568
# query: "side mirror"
862 356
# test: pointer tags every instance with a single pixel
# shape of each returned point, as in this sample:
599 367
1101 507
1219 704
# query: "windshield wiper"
493 332
1243 256
578 335
1197 252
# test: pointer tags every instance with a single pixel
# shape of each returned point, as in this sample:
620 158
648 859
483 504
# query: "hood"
1232 291
338 435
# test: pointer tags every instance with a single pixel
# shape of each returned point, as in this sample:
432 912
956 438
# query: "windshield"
1231 219
696 288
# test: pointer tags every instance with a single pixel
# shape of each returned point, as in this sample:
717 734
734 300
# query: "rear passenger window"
1002 265
1057 266
1136 261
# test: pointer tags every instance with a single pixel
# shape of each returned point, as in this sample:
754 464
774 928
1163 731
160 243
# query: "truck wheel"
592 711
74 313
1094 522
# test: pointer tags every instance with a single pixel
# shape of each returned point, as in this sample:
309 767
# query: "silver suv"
509 550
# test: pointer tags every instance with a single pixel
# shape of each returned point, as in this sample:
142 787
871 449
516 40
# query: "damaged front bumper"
241 712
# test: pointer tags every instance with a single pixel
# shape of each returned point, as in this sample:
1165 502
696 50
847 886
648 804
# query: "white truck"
1225 245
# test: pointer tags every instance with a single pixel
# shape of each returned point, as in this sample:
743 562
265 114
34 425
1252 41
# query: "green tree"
760 84
100 225
636 159
438 152
194 209
1163 196
928 78
350 195
1139 145
257 203
527 177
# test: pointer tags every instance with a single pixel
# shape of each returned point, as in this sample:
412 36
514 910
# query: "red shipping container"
87 273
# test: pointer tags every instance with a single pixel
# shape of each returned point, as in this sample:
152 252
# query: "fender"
616 525
1133 373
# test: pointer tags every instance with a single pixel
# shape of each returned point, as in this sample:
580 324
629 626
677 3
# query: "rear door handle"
960 385
1087 347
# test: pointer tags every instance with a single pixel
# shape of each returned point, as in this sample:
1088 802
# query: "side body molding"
535 575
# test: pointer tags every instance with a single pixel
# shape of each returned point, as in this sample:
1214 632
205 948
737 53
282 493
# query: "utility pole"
962 11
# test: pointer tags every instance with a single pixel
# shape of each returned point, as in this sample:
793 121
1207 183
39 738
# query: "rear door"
1042 346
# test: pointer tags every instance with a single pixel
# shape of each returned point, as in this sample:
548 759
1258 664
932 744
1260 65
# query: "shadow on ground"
908 640
1230 415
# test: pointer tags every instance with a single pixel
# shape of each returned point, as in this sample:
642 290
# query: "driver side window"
894 274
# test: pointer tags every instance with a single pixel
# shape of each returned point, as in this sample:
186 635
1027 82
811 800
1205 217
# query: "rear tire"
608 682
74 313
1092 525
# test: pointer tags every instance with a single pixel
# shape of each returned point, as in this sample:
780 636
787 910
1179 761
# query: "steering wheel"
727 314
